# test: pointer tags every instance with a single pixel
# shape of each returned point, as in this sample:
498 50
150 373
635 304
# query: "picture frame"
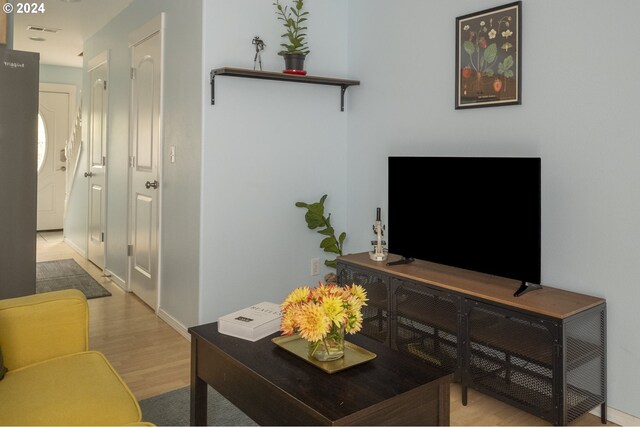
489 57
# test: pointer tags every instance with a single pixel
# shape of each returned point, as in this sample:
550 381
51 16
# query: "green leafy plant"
315 219
293 18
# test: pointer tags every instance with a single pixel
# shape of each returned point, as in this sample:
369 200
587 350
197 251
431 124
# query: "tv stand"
402 260
544 353
526 287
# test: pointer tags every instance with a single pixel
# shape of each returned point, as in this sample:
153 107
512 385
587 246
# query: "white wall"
579 114
267 145
182 91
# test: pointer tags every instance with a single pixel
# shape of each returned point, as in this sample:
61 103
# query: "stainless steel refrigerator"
19 72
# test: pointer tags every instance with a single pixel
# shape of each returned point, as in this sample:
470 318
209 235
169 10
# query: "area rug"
172 409
67 274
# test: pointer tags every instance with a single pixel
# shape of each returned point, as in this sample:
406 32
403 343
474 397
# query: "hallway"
151 357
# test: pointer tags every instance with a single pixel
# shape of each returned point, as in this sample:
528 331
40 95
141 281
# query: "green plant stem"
326 346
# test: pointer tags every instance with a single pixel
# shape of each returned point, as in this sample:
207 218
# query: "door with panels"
98 115
146 74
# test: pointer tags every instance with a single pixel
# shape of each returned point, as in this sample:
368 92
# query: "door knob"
154 184
88 174
63 168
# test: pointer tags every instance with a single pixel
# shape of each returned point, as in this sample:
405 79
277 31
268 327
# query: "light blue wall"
61 75
182 92
267 145
579 114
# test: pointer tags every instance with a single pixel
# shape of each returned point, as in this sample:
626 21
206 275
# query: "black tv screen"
476 213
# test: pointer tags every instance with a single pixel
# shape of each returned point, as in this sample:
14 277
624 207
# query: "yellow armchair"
52 379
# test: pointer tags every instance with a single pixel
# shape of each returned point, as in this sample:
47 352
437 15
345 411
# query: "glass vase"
331 347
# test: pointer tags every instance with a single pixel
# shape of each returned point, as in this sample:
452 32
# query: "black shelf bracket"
343 89
212 77
268 75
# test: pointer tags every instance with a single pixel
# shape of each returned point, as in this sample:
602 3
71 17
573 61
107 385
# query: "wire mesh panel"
375 315
426 324
511 357
585 363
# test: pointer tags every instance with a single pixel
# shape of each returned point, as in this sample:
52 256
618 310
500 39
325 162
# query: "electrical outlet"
315 266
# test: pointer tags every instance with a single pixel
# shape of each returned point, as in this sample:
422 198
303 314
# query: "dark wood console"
543 352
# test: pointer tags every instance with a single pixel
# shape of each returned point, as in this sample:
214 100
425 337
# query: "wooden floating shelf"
270 75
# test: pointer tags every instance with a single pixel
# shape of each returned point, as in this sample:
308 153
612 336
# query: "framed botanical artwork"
488 57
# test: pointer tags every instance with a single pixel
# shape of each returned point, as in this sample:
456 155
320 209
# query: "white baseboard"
618 417
174 323
75 247
117 280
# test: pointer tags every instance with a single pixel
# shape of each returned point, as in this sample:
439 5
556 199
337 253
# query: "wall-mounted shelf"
269 75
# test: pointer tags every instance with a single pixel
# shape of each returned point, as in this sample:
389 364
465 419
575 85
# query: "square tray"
353 354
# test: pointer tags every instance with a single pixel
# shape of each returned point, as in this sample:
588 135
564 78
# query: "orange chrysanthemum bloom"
354 303
334 310
289 323
313 323
358 292
297 296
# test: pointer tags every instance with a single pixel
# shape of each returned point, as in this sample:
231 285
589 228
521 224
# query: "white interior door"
145 178
53 132
98 111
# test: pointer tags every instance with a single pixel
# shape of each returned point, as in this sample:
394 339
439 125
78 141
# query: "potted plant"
296 49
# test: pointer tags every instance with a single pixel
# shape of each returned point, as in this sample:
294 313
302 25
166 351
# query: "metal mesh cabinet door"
512 356
375 315
426 324
585 362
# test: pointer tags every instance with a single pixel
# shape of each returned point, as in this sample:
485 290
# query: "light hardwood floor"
152 358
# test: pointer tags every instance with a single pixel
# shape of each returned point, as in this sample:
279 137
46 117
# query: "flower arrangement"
322 315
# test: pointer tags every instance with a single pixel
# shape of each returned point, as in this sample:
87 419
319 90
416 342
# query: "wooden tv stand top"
548 301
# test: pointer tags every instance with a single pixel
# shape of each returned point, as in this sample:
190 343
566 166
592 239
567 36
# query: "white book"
251 323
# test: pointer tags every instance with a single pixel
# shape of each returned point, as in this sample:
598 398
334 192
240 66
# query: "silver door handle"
154 184
88 174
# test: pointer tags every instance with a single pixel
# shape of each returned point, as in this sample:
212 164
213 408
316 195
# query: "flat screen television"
475 213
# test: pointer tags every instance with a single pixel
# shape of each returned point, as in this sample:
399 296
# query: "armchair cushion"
52 378
40 327
70 390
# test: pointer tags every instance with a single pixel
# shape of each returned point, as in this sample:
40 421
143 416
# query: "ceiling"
77 20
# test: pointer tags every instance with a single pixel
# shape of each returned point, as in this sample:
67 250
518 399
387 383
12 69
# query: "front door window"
42 142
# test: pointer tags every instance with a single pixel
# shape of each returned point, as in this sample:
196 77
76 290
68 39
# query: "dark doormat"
67 274
172 409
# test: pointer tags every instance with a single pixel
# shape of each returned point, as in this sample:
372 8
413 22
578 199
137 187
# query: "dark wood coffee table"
274 387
